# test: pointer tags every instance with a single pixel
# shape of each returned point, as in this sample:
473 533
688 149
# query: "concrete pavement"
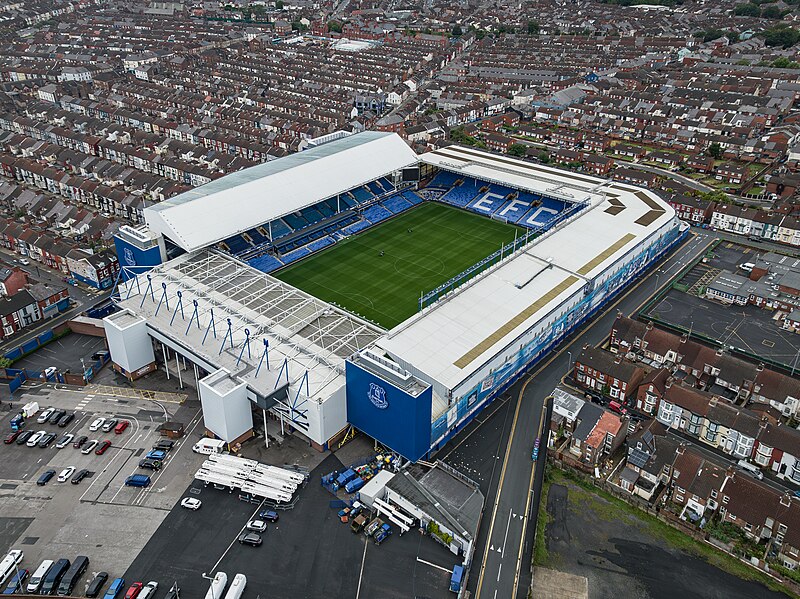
501 564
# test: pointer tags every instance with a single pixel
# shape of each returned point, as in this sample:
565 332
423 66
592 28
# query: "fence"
31 346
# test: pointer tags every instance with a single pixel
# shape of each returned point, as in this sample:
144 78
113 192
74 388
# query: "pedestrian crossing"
85 401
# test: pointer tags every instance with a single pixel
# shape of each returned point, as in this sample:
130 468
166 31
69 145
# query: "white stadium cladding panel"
412 387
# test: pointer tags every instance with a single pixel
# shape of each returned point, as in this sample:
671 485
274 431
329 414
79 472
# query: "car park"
149 590
45 415
150 464
56 416
93 590
34 438
15 582
191 503
35 583
257 525
79 476
101 449
23 437
65 440
87 449
121 426
268 515
97 424
66 419
250 538
11 437
45 477
115 589
156 454
65 474
134 590
80 441
46 440
109 424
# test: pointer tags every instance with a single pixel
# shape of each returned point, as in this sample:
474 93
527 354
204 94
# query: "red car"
11 438
102 448
123 424
134 590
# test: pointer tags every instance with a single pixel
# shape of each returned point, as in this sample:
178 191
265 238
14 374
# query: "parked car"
66 419
100 355
56 416
65 474
35 438
250 538
268 515
65 440
115 589
96 424
15 582
102 447
149 590
191 503
156 454
164 445
87 449
38 576
257 525
46 440
120 428
173 592
45 477
93 590
80 441
45 415
134 590
150 464
109 424
23 437
11 437
79 476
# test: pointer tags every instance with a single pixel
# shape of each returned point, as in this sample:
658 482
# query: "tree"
334 27
279 4
715 151
518 150
781 35
747 10
533 28
772 12
457 32
543 157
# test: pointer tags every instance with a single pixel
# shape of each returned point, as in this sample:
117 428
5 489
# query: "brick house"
603 372
693 210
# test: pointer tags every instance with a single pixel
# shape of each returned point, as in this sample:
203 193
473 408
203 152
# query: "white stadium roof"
455 337
248 198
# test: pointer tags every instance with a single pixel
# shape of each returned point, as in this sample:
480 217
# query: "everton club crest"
377 395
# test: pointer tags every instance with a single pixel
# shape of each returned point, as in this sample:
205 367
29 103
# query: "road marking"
500 569
431 564
505 538
241 530
361 573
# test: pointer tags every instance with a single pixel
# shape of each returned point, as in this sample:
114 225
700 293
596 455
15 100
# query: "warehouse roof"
245 199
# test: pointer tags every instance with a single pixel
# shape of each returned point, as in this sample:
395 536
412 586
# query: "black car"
79 476
66 419
173 592
45 477
97 583
80 441
46 440
250 538
23 437
164 445
100 355
150 464
56 416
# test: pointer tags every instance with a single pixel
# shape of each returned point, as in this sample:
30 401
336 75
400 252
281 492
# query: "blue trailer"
354 485
383 533
457 578
345 477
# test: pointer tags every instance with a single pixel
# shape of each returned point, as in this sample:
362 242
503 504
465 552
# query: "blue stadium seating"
412 197
463 194
265 263
362 195
356 227
376 213
386 184
257 237
320 243
487 202
347 202
237 244
444 180
295 255
396 204
279 228
325 210
375 188
295 222
311 214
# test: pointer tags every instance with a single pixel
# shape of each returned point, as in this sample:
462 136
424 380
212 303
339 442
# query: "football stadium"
357 284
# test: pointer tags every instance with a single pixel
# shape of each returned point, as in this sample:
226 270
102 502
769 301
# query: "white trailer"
268 492
274 483
237 587
217 586
208 446
278 472
233 460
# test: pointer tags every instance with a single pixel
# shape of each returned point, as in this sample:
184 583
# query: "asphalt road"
501 444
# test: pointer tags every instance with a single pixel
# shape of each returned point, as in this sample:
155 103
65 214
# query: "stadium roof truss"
223 311
240 201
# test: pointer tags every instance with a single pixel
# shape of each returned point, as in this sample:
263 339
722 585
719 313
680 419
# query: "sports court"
381 273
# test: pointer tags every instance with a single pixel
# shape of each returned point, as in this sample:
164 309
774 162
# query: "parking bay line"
241 530
361 572
432 565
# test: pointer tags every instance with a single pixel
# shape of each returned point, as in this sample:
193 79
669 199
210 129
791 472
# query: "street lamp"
569 353
211 578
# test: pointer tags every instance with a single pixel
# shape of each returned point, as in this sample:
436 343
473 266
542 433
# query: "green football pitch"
443 242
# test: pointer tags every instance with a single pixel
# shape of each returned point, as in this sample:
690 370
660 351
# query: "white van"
9 565
208 446
237 587
751 469
217 585
38 577
30 409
